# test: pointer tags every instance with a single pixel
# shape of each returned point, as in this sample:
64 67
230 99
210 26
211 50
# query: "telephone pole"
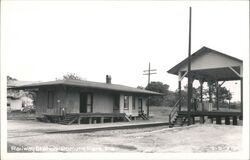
189 69
148 73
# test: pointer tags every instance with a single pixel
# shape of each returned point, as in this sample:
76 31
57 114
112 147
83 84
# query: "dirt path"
195 138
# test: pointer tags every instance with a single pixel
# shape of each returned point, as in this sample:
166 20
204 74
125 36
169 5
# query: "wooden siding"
72 101
121 103
144 105
103 103
211 60
42 102
130 111
134 112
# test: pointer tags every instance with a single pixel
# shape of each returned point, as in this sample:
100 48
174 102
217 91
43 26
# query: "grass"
18 115
159 113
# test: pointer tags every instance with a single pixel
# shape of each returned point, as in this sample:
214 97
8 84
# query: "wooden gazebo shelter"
213 67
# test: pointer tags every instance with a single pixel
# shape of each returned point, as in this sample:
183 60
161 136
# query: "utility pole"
189 68
148 73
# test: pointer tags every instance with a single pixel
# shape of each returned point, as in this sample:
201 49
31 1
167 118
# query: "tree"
224 93
9 78
160 88
140 87
69 76
195 92
171 98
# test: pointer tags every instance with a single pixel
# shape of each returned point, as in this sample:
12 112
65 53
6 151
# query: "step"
68 120
143 116
127 118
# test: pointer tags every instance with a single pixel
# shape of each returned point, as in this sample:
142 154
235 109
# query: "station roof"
209 64
87 84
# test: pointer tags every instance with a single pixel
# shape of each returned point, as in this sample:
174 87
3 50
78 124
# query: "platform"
110 126
210 113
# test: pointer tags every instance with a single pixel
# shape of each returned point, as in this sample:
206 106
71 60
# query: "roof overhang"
217 74
210 65
88 84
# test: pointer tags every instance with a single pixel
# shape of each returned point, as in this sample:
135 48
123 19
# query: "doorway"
86 102
140 105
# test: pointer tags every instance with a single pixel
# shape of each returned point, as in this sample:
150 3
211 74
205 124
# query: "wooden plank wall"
70 101
103 103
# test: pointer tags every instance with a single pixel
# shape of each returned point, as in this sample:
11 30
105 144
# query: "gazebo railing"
173 112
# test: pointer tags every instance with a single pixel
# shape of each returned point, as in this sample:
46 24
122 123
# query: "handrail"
174 110
176 104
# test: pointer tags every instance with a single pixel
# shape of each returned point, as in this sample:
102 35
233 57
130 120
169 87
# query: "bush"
28 109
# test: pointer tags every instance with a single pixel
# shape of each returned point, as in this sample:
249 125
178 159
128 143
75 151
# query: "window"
133 101
89 102
126 102
50 99
8 104
116 102
140 105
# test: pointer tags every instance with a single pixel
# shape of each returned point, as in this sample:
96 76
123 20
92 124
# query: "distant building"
17 100
18 103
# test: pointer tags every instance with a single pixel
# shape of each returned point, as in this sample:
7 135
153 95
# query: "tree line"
170 97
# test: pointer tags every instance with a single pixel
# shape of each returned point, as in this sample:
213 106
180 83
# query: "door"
140 105
83 103
86 103
116 107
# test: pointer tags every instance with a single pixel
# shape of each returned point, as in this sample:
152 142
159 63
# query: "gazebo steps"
143 116
179 120
69 119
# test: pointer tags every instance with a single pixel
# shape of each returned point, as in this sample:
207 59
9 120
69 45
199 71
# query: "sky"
43 40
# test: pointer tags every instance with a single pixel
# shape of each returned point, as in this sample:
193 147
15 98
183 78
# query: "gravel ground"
30 136
23 136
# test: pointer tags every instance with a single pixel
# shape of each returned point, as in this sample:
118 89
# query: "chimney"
108 79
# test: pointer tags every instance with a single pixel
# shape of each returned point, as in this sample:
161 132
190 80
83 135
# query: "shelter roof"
209 64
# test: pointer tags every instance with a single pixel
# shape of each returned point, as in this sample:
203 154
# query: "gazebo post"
190 95
241 97
179 89
210 92
217 95
189 68
192 81
148 104
201 93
